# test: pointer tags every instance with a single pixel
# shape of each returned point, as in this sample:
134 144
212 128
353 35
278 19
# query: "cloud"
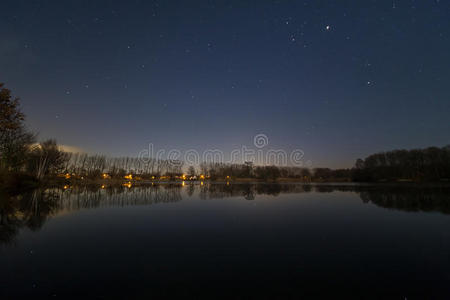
71 149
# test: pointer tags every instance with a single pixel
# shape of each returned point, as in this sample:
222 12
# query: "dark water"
231 241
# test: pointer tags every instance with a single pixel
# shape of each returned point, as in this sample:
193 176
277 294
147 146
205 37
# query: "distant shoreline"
117 182
58 182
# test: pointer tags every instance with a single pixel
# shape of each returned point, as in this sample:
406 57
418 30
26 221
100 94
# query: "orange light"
128 184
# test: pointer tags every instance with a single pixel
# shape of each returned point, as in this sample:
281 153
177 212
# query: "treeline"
247 170
46 160
94 166
217 171
419 165
430 164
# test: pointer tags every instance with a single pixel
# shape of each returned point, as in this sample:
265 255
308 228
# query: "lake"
233 241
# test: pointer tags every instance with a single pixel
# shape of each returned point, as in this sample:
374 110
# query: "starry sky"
337 79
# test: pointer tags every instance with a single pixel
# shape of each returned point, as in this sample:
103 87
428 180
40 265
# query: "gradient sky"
337 79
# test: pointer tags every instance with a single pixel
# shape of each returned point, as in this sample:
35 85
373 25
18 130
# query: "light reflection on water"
289 237
51 201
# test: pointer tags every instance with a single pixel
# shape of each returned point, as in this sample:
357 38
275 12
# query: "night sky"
337 79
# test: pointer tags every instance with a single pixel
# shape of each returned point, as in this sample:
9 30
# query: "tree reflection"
412 200
249 190
32 209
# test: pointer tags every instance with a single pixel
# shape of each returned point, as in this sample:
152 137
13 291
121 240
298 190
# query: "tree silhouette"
14 139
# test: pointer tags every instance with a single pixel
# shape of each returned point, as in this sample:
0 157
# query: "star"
328 27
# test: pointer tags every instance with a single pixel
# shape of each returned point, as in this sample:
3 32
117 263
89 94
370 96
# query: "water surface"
237 240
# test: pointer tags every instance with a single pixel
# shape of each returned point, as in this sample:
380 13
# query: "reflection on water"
32 209
29 210
236 240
